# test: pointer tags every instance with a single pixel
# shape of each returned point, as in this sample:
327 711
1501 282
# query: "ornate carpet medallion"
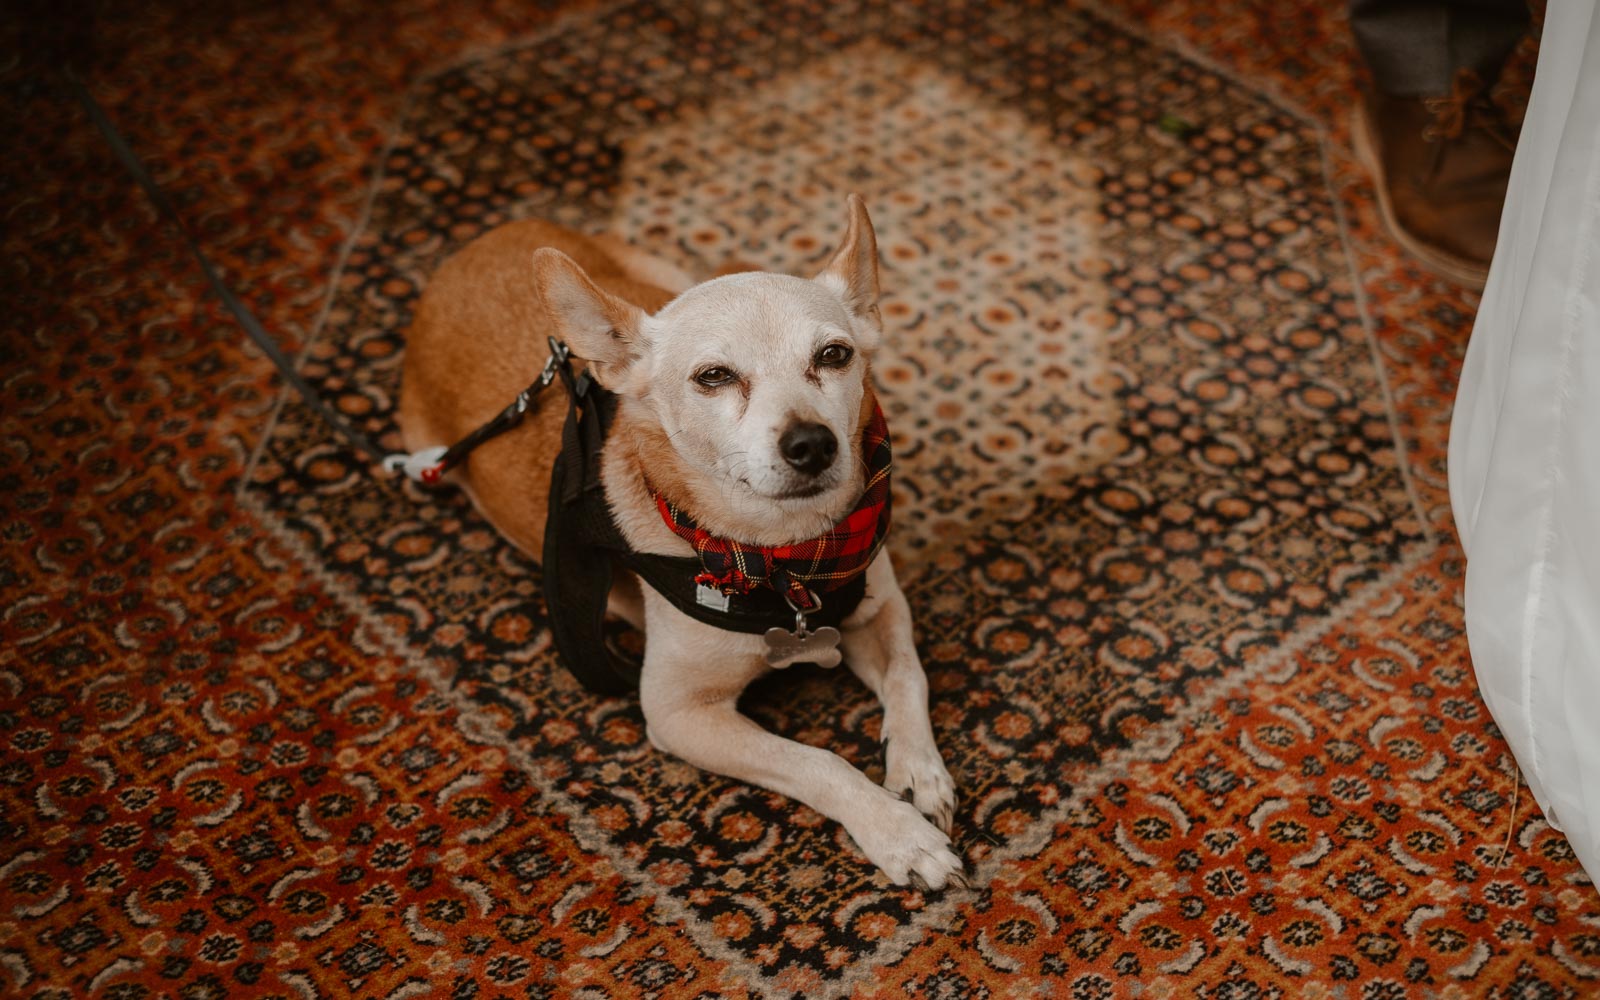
1141 444
997 372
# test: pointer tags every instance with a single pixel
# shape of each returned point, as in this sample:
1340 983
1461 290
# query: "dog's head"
759 382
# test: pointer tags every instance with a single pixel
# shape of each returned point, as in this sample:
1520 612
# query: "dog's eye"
835 356
714 376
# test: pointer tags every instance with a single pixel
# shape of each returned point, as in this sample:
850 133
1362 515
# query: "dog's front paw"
897 839
919 776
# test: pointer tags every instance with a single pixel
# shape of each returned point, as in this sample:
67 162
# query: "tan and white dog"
744 398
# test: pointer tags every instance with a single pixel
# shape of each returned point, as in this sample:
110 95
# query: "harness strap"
576 578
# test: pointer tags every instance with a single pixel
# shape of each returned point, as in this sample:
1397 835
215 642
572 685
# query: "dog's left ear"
852 273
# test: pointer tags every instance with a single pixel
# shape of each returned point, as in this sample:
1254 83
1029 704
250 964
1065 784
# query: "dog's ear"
596 325
852 272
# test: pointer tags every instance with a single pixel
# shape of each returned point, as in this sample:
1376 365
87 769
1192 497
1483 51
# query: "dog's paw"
907 848
919 776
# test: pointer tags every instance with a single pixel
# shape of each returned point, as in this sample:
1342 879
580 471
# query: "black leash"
246 319
426 466
429 465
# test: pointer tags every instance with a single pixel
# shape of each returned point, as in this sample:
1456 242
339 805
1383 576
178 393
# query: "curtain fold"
1525 443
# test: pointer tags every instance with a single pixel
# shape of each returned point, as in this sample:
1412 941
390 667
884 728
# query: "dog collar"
800 570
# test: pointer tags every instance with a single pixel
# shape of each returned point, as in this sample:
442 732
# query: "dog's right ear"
598 327
852 271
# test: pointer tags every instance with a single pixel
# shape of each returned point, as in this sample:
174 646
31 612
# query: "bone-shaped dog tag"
803 645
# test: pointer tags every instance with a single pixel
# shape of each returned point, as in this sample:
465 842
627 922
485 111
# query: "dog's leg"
883 654
689 707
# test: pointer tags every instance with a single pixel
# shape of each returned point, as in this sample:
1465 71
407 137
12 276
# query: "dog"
743 401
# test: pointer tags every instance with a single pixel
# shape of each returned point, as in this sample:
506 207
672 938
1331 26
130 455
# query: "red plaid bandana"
818 564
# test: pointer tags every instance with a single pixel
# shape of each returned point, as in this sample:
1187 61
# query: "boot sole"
1440 261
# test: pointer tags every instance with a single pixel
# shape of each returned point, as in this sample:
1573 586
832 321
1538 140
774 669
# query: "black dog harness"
582 548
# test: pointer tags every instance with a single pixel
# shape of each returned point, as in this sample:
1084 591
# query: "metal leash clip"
559 353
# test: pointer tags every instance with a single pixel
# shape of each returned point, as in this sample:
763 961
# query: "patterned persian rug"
1169 520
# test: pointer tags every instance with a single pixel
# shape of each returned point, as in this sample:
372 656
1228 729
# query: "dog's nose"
809 448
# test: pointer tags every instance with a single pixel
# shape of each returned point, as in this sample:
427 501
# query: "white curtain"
1525 443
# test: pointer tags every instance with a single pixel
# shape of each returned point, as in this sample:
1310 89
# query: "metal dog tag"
803 645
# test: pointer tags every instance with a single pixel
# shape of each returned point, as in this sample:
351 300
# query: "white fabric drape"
1525 443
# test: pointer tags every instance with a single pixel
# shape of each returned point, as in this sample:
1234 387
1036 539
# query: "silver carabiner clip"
800 613
558 357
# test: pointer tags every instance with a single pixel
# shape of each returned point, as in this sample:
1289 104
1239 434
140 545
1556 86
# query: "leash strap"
429 465
246 319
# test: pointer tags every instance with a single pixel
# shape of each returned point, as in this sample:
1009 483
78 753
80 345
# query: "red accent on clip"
431 474
731 582
801 597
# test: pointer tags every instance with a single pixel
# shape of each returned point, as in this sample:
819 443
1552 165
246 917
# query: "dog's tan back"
478 339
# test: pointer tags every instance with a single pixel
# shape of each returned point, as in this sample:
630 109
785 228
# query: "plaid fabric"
802 569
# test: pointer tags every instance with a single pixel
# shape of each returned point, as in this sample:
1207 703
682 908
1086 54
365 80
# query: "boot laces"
1468 104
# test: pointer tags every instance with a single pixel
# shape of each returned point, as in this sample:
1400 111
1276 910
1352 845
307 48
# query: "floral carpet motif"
1175 542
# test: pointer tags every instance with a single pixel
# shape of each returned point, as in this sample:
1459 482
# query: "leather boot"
1441 164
